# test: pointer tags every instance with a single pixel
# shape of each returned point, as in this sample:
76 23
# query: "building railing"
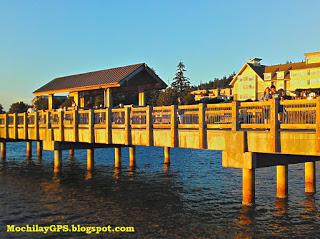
270 116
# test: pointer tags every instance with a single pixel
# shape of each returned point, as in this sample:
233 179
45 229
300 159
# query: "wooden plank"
219 126
298 126
255 126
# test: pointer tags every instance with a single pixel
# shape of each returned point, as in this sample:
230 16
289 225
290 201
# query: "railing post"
15 126
36 125
61 126
235 115
149 126
75 125
25 126
318 124
127 125
274 125
108 125
91 126
174 126
202 126
6 129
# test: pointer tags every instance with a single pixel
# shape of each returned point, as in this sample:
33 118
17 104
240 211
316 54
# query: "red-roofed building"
252 79
82 87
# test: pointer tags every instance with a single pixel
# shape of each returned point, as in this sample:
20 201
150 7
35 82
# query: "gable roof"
258 69
112 77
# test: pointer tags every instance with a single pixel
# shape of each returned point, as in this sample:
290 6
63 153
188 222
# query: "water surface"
194 198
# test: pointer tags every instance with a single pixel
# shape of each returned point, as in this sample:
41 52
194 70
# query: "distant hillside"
217 83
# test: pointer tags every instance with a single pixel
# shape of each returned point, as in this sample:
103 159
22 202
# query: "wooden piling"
166 158
117 157
90 159
3 147
248 187
71 153
29 149
132 159
57 160
310 177
282 181
39 149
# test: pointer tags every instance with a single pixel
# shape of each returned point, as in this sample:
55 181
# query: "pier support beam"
3 147
248 187
90 159
57 160
166 158
71 153
282 181
39 149
132 157
117 157
310 177
29 149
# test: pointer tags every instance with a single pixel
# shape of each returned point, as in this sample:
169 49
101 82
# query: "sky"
44 39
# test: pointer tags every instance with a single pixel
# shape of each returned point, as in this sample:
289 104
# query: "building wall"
246 86
304 79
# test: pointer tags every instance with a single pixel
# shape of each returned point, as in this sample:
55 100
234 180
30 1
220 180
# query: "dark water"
195 198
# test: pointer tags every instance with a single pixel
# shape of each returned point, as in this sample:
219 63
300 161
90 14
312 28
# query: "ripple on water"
194 198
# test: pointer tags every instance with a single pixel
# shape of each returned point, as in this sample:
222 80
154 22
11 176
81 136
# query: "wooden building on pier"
83 88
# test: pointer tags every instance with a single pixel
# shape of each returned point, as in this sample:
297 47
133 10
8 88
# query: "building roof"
113 77
261 69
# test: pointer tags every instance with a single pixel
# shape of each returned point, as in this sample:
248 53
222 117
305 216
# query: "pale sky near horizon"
41 40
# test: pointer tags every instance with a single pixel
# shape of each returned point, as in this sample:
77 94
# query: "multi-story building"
252 79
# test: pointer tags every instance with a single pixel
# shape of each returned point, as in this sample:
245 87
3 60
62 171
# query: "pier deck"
249 134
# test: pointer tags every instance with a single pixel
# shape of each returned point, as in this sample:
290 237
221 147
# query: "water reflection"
190 200
281 207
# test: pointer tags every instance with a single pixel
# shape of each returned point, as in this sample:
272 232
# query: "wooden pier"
250 134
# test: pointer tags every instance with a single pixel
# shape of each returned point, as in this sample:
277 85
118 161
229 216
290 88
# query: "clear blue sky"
40 40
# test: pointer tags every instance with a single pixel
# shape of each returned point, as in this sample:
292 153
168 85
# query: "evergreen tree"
1 109
18 107
180 83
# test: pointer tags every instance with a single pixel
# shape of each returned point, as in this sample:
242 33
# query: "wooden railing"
269 116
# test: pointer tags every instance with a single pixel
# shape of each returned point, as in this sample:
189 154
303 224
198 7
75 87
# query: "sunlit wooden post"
142 100
202 126
310 177
90 159
132 159
6 129
29 149
91 125
36 125
248 187
61 125
71 153
75 125
108 125
282 181
15 125
127 127
39 149
174 125
25 126
235 115
108 98
3 147
57 160
166 156
50 101
117 157
274 125
149 126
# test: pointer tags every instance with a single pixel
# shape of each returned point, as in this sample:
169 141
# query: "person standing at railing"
266 94
180 112
278 95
